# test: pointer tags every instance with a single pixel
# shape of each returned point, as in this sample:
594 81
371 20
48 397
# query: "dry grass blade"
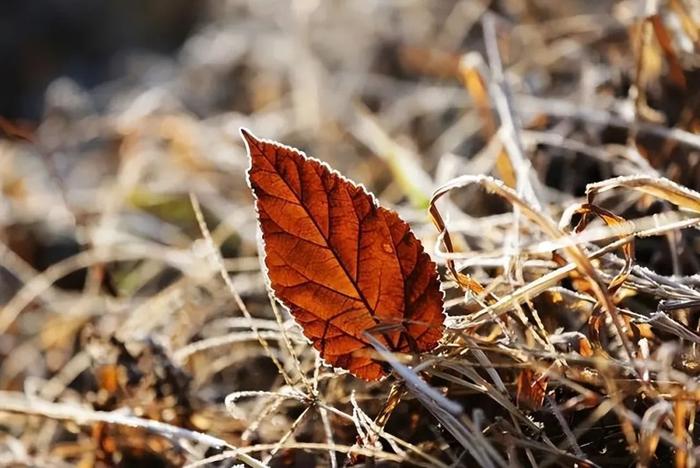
224 275
661 188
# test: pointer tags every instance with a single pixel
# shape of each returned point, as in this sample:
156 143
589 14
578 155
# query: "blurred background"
113 111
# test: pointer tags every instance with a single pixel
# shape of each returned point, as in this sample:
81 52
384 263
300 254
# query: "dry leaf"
345 267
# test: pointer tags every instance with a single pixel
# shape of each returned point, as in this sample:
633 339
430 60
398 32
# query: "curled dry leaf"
345 267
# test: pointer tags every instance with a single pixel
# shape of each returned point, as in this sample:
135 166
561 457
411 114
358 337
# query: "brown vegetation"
554 145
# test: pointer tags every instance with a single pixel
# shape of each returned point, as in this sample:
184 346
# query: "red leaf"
531 388
345 267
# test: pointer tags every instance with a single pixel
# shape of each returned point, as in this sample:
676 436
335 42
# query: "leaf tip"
247 136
